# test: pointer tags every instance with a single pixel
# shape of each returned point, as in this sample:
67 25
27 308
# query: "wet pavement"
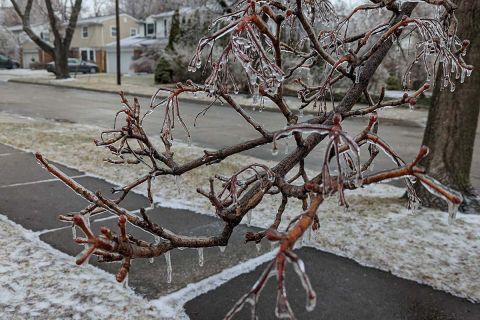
220 127
345 291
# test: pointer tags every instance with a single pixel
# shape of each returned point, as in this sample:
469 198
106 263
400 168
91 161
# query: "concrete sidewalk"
345 289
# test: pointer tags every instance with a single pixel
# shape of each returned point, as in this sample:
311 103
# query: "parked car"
9 63
76 66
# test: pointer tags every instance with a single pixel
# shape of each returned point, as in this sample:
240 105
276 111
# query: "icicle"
411 106
249 218
200 257
445 82
151 260
283 309
74 232
275 152
156 241
168 260
358 181
452 212
462 77
307 236
372 167
259 246
452 87
222 248
358 72
299 268
125 282
178 182
300 113
86 216
469 72
255 99
414 207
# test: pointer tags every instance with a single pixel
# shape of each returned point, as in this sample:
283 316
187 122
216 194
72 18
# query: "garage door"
125 60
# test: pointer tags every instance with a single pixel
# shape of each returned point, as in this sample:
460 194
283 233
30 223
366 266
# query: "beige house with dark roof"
88 43
93 34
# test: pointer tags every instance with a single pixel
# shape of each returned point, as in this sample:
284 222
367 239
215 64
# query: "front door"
87 54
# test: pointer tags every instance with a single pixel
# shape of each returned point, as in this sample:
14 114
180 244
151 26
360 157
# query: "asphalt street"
219 127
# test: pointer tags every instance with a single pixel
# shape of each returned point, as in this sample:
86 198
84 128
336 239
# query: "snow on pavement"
377 231
39 282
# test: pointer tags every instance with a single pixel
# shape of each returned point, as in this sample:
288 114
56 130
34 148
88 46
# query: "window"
73 61
84 32
150 29
133 32
87 54
45 36
113 31
165 33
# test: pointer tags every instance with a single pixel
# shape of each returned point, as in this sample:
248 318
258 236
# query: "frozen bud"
426 86
77 219
122 219
337 118
373 118
424 150
189 82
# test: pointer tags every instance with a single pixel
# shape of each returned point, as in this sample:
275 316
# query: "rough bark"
61 43
452 119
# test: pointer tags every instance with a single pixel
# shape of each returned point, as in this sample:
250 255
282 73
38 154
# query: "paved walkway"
346 290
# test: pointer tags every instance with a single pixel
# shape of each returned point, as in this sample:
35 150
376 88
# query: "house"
154 30
131 48
93 34
30 53
88 42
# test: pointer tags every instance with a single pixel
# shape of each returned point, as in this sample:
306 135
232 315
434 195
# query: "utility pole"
117 22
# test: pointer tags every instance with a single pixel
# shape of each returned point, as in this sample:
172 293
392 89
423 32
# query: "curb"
399 122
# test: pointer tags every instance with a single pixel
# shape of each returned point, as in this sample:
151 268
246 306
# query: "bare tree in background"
62 25
451 138
251 36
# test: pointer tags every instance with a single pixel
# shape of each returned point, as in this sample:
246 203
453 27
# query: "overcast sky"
88 5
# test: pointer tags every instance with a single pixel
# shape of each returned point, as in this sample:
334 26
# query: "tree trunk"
61 63
452 119
60 50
